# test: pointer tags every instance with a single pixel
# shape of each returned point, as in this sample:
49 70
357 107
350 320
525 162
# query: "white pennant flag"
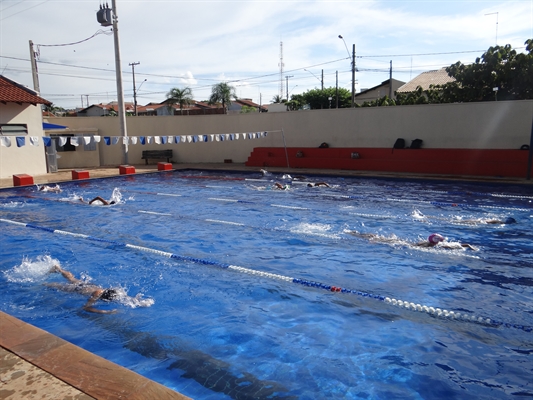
34 140
5 141
62 141
96 138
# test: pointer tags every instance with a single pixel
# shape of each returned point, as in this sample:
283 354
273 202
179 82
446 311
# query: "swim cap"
510 220
435 238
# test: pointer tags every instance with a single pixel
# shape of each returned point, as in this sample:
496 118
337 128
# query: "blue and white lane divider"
433 203
406 305
365 197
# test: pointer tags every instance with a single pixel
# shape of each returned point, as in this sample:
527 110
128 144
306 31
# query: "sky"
197 43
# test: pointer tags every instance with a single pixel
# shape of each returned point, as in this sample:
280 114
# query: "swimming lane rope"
406 305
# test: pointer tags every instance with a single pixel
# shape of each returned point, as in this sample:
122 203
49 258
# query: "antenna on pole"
281 65
497 15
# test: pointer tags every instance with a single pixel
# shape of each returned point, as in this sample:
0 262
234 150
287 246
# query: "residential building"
21 130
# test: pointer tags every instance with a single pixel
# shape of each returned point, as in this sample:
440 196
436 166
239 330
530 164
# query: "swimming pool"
262 293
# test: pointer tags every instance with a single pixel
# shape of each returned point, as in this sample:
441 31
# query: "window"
13 129
91 146
67 146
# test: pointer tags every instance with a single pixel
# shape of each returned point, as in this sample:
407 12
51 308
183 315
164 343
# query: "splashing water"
138 301
31 270
116 196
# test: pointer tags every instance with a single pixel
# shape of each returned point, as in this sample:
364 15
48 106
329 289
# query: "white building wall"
487 125
28 159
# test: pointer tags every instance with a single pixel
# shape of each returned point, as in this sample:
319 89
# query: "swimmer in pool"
436 239
100 199
457 220
506 221
279 186
46 188
78 286
433 240
317 184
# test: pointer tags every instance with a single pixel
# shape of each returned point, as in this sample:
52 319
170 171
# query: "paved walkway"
37 365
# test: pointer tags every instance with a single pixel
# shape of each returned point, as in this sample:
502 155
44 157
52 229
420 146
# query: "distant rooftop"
425 79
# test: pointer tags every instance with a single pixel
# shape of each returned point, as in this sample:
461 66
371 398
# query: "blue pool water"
243 282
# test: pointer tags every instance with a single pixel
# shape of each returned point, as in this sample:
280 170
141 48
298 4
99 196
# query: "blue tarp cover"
46 126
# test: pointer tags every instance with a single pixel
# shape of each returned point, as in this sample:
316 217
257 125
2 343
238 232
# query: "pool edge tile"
87 372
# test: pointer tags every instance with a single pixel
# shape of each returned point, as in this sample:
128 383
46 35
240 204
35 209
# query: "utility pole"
103 16
390 80
287 79
353 75
337 88
353 68
34 71
322 81
134 90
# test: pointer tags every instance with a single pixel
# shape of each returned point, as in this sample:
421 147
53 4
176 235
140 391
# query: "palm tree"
222 93
179 96
277 99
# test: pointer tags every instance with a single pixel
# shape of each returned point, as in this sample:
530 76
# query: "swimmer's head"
510 220
310 185
435 238
109 295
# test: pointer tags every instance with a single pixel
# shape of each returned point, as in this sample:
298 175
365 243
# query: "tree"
222 93
297 102
53 109
248 109
179 96
319 98
277 99
499 67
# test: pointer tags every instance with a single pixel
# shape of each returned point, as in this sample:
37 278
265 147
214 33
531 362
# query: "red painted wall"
495 163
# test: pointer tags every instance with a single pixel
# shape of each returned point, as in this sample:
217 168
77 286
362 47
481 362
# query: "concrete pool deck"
37 365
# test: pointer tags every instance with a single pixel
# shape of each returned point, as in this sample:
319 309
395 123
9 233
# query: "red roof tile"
12 92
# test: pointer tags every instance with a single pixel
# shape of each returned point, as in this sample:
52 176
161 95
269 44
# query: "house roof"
110 106
384 83
248 102
13 92
425 79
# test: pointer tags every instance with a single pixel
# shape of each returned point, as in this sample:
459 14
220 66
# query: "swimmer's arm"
424 244
362 235
93 299
469 246
105 202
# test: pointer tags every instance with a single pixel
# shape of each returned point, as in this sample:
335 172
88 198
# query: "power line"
21 11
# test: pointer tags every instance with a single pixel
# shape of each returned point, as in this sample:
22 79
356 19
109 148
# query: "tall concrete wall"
487 125
28 159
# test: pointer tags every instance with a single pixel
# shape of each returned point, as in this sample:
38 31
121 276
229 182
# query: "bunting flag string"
20 141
